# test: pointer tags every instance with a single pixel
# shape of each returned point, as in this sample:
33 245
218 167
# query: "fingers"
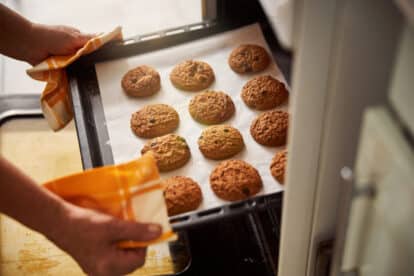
129 260
82 39
55 40
128 230
77 38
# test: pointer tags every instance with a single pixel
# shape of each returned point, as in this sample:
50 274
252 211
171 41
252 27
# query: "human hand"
48 40
91 239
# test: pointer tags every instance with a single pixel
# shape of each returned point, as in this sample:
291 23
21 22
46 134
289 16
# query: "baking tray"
88 108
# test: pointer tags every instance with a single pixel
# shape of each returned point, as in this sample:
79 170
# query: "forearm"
88 236
16 34
22 199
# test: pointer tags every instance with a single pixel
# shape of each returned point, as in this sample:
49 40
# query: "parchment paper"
214 50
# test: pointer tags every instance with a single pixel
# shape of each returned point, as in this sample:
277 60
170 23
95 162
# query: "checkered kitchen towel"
55 99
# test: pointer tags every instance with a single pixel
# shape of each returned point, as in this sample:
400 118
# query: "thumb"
128 230
81 39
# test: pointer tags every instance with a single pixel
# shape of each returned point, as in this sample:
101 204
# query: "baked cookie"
248 58
141 81
278 166
171 151
182 194
211 107
264 92
154 120
192 75
235 180
220 142
270 128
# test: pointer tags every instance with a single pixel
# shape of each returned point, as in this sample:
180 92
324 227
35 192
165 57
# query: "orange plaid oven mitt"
129 191
55 99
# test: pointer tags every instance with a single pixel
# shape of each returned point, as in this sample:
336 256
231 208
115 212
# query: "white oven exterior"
349 56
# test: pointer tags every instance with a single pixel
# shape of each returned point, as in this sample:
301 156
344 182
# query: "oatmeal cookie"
220 142
192 75
182 194
154 120
248 58
141 81
170 151
235 180
270 128
264 92
278 166
211 107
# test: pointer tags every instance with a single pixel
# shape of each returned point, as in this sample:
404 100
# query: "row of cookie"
189 75
193 75
269 128
231 180
261 93
217 142
208 107
172 152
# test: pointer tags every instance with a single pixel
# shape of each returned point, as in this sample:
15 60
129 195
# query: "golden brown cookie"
182 194
270 128
154 120
211 107
248 58
264 92
171 151
235 180
220 142
192 75
278 166
141 81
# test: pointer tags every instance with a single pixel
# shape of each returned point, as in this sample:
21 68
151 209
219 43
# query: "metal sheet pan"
89 111
214 50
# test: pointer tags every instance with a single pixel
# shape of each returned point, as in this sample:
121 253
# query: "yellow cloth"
129 191
55 99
